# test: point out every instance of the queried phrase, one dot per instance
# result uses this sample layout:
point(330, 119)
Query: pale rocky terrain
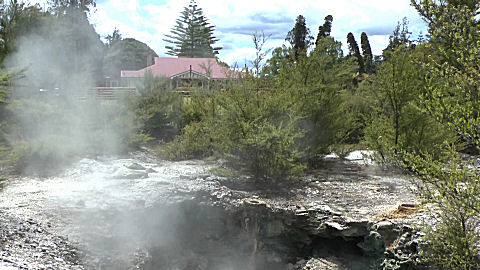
point(137, 212)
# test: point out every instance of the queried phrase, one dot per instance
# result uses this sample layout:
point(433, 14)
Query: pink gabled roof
point(171, 66)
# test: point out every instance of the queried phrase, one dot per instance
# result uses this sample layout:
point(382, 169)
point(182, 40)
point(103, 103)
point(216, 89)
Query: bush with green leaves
point(260, 131)
point(255, 130)
point(158, 108)
point(316, 84)
point(395, 121)
point(196, 141)
point(452, 237)
point(451, 97)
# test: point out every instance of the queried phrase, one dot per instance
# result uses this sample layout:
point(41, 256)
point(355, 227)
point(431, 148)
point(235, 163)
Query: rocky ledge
point(344, 216)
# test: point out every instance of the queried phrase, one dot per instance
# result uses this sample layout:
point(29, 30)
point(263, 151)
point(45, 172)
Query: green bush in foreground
point(254, 130)
point(196, 141)
point(268, 150)
point(453, 241)
point(451, 97)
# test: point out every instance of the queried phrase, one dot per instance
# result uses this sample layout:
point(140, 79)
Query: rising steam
point(59, 62)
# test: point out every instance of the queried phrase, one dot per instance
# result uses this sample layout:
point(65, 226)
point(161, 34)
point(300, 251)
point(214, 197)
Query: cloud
point(380, 30)
point(378, 43)
point(271, 18)
point(277, 31)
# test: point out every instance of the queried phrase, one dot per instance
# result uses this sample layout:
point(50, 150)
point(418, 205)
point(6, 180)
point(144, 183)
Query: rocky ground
point(27, 244)
point(128, 213)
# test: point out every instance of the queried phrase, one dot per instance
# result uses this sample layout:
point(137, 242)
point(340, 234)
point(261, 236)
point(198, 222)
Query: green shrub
point(452, 241)
point(196, 141)
point(268, 150)
point(254, 130)
point(395, 122)
point(159, 111)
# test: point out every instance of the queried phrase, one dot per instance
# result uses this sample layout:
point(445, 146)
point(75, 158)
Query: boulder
point(136, 166)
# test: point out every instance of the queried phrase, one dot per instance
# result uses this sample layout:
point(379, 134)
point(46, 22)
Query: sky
point(236, 20)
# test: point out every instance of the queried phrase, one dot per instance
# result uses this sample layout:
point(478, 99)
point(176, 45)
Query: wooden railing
point(111, 93)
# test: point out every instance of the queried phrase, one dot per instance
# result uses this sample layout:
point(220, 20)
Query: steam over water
point(114, 212)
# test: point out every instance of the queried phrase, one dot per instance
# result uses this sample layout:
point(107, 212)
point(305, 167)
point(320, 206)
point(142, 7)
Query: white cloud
point(378, 43)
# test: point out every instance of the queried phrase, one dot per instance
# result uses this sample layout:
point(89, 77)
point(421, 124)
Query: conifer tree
point(325, 29)
point(400, 36)
point(192, 36)
point(355, 51)
point(367, 53)
point(299, 37)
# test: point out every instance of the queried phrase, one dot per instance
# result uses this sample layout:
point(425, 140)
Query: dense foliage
point(396, 123)
point(158, 108)
point(255, 130)
point(451, 97)
point(126, 54)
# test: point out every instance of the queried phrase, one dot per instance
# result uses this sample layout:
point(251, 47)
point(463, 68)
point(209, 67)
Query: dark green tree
point(16, 19)
point(192, 36)
point(299, 37)
point(325, 29)
point(127, 54)
point(367, 54)
point(113, 38)
point(355, 51)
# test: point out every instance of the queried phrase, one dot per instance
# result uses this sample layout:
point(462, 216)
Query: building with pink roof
point(182, 72)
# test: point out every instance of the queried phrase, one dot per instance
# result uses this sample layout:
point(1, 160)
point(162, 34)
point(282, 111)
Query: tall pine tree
point(367, 53)
point(299, 37)
point(325, 29)
point(192, 36)
point(355, 51)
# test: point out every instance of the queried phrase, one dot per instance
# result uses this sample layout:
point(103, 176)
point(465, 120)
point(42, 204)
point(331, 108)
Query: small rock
point(133, 175)
point(136, 166)
point(150, 170)
point(336, 226)
point(383, 225)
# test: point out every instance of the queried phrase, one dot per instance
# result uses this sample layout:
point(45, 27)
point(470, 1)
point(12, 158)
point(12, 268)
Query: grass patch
point(225, 172)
